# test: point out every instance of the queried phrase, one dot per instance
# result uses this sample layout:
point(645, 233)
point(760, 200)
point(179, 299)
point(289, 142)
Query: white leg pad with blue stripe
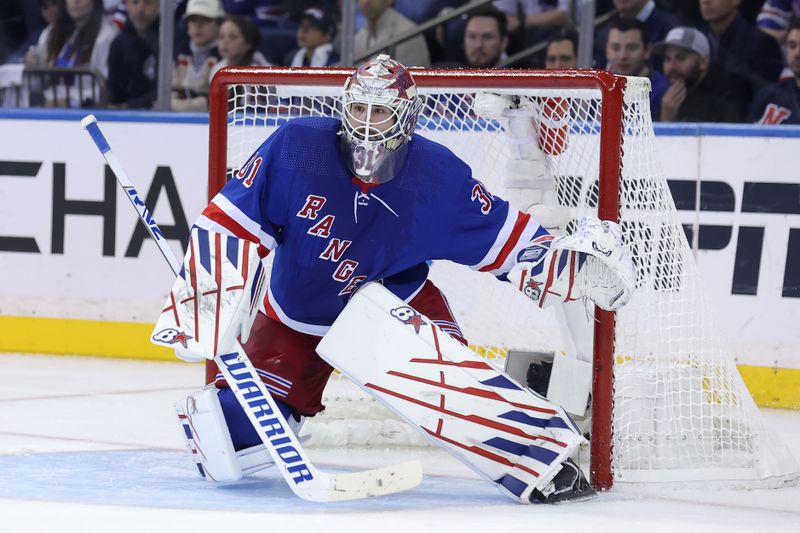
point(209, 441)
point(500, 429)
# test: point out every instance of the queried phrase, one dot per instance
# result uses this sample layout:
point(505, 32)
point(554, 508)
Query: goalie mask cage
point(668, 402)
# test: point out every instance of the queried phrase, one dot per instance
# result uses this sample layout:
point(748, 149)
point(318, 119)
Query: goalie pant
point(289, 366)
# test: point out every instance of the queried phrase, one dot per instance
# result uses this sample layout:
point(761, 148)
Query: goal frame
point(611, 88)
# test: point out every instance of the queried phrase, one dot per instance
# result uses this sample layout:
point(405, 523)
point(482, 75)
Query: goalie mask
point(379, 114)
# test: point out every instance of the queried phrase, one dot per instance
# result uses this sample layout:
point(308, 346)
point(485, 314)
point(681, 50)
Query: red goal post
point(612, 129)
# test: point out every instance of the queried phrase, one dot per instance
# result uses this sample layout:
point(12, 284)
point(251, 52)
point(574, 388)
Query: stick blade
point(378, 482)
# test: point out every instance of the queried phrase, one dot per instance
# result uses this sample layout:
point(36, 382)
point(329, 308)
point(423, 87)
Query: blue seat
point(423, 10)
point(277, 42)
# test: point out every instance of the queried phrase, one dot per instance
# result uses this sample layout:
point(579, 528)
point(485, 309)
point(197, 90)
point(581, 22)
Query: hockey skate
point(569, 485)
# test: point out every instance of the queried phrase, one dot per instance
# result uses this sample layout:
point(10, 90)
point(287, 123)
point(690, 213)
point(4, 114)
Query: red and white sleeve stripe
point(516, 233)
point(223, 216)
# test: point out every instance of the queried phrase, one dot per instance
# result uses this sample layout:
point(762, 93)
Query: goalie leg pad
point(460, 402)
point(207, 435)
point(220, 438)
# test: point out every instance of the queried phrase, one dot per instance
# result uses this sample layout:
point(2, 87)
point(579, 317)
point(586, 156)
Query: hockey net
point(669, 404)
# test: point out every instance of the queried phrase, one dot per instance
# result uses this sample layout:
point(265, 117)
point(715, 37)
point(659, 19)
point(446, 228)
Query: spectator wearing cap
point(562, 50)
point(385, 23)
point(697, 92)
point(779, 103)
point(628, 53)
point(741, 50)
point(315, 36)
point(657, 22)
point(133, 58)
point(196, 57)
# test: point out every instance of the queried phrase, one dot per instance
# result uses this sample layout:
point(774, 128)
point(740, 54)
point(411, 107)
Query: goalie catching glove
point(215, 299)
point(592, 263)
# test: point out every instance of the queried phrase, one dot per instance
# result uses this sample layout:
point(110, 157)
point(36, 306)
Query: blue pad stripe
point(512, 484)
point(257, 282)
point(204, 249)
point(502, 382)
point(523, 418)
point(542, 455)
point(506, 445)
point(232, 251)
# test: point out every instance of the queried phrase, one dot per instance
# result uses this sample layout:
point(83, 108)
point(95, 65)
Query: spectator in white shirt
point(384, 23)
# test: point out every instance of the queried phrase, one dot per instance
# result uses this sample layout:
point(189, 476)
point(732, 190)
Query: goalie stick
point(305, 480)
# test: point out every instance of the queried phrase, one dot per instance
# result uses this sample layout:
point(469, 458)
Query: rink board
point(80, 278)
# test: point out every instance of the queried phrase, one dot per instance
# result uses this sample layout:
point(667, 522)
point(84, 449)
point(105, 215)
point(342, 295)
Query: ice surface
point(91, 445)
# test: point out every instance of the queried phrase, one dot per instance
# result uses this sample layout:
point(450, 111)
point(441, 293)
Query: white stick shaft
point(89, 123)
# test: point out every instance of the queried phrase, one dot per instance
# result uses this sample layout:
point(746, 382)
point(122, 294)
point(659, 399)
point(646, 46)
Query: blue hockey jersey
point(776, 103)
point(330, 233)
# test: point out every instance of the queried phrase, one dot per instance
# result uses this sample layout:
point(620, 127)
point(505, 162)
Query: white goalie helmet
point(379, 114)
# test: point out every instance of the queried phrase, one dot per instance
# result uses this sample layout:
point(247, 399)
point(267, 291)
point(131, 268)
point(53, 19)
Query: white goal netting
point(681, 411)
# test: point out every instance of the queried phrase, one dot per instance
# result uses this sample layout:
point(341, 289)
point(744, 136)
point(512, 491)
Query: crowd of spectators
point(707, 60)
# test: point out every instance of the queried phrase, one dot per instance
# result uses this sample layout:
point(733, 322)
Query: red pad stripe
point(471, 391)
point(550, 278)
point(483, 453)
point(461, 364)
point(245, 263)
point(572, 257)
point(478, 420)
point(474, 449)
point(511, 243)
point(174, 308)
point(193, 283)
point(218, 283)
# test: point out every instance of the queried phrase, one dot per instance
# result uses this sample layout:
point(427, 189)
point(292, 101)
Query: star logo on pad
point(407, 315)
point(172, 336)
point(532, 290)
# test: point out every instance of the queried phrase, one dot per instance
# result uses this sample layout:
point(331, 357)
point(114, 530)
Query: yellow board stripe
point(773, 387)
point(80, 337)
point(770, 387)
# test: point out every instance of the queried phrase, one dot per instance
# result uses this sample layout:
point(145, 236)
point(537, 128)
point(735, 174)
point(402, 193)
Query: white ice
point(91, 445)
